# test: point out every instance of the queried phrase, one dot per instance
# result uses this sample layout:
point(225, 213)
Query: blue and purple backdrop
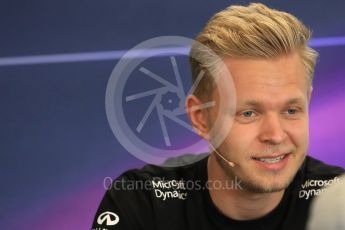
point(56, 57)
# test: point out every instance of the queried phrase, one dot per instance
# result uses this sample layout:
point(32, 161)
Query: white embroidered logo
point(316, 187)
point(109, 218)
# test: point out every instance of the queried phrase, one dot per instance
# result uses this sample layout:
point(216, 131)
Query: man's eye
point(291, 111)
point(248, 113)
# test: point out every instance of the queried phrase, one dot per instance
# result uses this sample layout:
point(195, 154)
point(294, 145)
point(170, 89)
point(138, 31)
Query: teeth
point(271, 160)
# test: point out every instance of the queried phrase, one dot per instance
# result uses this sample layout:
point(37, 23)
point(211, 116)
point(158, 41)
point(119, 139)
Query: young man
point(258, 175)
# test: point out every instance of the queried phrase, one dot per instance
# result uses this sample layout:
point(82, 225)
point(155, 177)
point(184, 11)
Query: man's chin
point(264, 188)
point(266, 185)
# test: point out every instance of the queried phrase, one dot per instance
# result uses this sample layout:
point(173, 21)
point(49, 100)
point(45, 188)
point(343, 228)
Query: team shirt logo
point(109, 218)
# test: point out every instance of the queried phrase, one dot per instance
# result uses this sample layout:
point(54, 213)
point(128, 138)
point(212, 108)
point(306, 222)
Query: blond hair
point(253, 31)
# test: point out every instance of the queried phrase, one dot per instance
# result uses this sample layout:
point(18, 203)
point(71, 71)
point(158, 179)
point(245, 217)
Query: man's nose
point(271, 130)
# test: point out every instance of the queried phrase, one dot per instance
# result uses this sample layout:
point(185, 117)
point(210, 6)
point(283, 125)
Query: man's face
point(268, 139)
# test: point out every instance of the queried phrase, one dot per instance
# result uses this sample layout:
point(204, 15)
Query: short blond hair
point(253, 31)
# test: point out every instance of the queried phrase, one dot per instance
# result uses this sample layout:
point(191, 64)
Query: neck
point(239, 204)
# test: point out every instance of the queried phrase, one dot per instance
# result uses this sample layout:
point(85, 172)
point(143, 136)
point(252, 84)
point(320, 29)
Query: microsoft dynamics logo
point(109, 218)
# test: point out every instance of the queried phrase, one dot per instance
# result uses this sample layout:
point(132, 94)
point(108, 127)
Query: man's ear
point(197, 115)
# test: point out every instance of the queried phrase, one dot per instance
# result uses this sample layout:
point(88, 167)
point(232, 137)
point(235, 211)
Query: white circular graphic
point(168, 101)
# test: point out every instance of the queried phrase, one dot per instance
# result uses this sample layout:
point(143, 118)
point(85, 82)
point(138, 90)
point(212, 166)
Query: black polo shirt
point(176, 198)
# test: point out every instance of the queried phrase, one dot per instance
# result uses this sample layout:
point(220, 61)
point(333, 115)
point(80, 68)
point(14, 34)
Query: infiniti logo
point(109, 218)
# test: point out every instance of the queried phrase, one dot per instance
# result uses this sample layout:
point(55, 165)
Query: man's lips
point(275, 161)
point(270, 156)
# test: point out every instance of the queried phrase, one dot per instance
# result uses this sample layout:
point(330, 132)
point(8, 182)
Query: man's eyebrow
point(251, 102)
point(256, 103)
point(295, 100)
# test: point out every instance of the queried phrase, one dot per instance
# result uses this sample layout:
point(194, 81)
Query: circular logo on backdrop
point(145, 100)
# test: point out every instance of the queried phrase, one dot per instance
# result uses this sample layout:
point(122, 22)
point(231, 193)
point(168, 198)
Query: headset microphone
point(230, 163)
